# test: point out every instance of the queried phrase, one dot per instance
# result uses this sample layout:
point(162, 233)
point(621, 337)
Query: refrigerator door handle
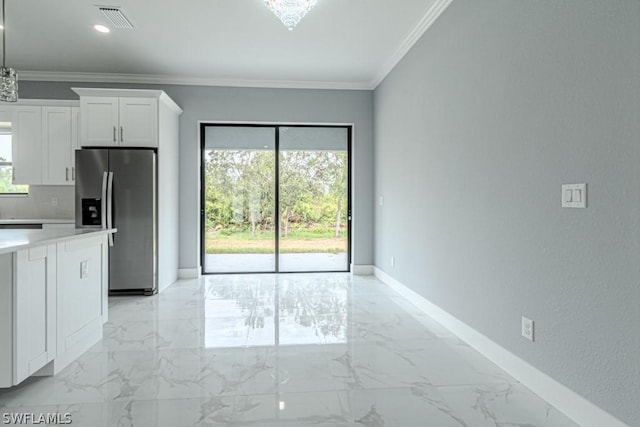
point(110, 206)
point(103, 203)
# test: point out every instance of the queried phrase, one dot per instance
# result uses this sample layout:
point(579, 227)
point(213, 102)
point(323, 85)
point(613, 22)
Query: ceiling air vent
point(116, 17)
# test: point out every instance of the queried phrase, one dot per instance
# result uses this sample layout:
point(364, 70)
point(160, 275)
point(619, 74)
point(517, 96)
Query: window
point(6, 165)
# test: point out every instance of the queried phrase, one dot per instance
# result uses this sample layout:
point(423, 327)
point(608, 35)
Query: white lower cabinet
point(35, 310)
point(52, 306)
point(80, 294)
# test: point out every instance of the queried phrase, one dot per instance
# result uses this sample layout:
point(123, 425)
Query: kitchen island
point(53, 298)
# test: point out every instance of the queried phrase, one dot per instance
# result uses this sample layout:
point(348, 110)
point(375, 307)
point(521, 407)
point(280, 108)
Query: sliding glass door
point(238, 200)
point(250, 172)
point(313, 177)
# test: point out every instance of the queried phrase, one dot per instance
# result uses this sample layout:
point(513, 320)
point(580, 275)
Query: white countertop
point(36, 221)
point(16, 239)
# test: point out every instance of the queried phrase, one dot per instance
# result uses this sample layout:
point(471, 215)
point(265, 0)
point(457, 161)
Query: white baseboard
point(188, 273)
point(561, 397)
point(362, 269)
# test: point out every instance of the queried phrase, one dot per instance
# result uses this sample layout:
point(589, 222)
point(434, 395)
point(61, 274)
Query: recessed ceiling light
point(1, 27)
point(101, 28)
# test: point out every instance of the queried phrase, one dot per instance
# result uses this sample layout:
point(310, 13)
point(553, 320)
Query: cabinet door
point(99, 121)
point(27, 145)
point(57, 145)
point(80, 293)
point(75, 140)
point(35, 305)
point(139, 122)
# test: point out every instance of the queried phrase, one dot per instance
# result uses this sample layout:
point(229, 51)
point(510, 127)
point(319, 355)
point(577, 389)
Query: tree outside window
point(6, 165)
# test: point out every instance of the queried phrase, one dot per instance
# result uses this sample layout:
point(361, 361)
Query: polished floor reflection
point(272, 350)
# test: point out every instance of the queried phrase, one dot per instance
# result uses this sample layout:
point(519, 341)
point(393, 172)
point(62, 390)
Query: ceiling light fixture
point(8, 76)
point(101, 28)
point(290, 12)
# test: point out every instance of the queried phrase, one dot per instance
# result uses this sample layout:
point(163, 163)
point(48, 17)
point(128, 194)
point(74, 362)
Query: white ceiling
point(339, 44)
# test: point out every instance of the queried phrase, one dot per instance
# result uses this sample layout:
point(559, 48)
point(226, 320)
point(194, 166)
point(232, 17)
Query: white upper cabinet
point(75, 139)
point(99, 123)
point(43, 141)
point(138, 122)
point(57, 144)
point(108, 121)
point(27, 145)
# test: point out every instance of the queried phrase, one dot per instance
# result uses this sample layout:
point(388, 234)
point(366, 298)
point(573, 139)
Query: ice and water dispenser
point(91, 212)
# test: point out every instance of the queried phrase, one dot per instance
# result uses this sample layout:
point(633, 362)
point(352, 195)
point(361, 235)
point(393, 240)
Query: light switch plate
point(574, 195)
point(84, 269)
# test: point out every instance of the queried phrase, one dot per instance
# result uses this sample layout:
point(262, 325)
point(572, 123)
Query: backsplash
point(38, 203)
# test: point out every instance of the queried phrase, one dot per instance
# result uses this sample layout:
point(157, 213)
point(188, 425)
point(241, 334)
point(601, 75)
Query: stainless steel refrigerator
point(116, 188)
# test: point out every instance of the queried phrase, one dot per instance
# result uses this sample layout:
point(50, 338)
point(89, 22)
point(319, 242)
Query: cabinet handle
point(73, 173)
point(66, 173)
point(121, 134)
point(114, 134)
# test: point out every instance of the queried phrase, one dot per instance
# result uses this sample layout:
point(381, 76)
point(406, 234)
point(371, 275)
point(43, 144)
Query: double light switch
point(574, 195)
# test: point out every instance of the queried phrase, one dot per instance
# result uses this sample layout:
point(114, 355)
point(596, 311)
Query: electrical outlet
point(54, 201)
point(381, 201)
point(393, 261)
point(84, 269)
point(527, 328)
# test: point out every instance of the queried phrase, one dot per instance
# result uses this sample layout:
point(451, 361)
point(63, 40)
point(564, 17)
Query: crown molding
point(56, 76)
point(425, 23)
point(130, 93)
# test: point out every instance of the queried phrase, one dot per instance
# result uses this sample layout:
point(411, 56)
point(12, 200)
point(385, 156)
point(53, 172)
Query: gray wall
point(254, 105)
point(476, 129)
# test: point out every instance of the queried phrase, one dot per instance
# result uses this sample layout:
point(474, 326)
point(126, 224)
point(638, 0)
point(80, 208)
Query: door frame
point(202, 125)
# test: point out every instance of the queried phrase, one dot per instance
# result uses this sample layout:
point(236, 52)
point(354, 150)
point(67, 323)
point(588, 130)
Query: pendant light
point(8, 76)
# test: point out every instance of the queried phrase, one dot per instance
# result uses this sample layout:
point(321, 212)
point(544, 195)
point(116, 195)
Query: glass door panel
point(239, 227)
point(313, 199)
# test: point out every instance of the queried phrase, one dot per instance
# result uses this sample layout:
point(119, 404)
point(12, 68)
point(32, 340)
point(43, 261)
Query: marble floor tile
point(138, 335)
point(279, 350)
point(291, 409)
point(501, 405)
point(361, 365)
point(400, 407)
point(290, 369)
point(213, 411)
